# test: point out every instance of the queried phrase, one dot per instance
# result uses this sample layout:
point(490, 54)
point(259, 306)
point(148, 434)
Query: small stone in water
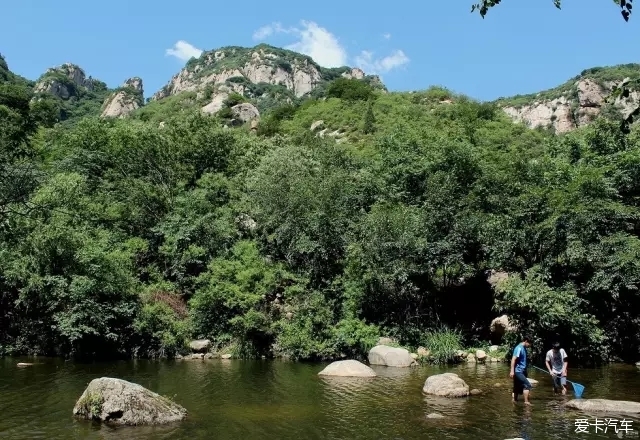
point(435, 416)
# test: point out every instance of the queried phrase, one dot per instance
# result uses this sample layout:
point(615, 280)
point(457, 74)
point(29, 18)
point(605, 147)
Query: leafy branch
point(483, 7)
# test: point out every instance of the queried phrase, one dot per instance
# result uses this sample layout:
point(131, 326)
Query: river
point(234, 399)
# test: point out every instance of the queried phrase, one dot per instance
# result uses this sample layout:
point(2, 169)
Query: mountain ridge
point(267, 77)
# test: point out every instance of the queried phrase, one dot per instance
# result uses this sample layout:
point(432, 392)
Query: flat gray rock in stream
point(390, 356)
point(605, 405)
point(348, 368)
point(120, 402)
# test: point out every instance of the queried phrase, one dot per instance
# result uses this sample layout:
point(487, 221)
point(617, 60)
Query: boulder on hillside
point(390, 356)
point(200, 345)
point(496, 277)
point(499, 326)
point(348, 368)
point(120, 402)
point(245, 112)
point(605, 405)
point(316, 124)
point(446, 385)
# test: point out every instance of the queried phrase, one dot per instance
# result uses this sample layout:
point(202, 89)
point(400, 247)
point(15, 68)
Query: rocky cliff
point(263, 77)
point(68, 88)
point(577, 102)
point(263, 74)
point(127, 98)
point(65, 81)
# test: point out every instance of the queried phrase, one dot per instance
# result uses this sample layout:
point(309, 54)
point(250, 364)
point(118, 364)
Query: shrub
point(350, 89)
point(443, 343)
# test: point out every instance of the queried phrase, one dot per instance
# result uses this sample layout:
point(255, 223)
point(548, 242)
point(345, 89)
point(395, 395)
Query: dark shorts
point(559, 381)
point(520, 383)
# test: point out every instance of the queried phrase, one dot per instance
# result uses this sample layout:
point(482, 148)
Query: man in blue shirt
point(521, 384)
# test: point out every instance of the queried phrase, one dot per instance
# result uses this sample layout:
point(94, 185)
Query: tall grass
point(443, 343)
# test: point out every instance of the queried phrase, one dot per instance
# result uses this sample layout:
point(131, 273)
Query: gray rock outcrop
point(577, 107)
point(499, 326)
point(348, 368)
point(245, 112)
point(446, 385)
point(124, 101)
point(200, 345)
point(605, 406)
point(119, 402)
point(390, 356)
point(60, 81)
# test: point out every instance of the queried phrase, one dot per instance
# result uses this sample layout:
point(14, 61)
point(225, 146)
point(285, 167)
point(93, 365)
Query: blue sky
point(522, 46)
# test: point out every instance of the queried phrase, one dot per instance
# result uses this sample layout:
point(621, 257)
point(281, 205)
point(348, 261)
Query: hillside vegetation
point(126, 237)
point(603, 76)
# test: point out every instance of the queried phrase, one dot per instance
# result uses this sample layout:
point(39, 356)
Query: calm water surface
point(279, 400)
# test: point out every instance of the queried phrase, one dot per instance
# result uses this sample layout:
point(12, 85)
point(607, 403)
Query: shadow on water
point(279, 400)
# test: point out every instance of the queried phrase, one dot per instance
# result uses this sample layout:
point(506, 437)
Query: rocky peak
point(124, 100)
point(262, 64)
point(63, 81)
point(263, 74)
point(135, 83)
point(354, 73)
point(575, 103)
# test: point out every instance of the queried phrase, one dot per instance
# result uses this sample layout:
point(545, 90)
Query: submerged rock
point(605, 405)
point(348, 368)
point(390, 356)
point(446, 385)
point(435, 416)
point(120, 402)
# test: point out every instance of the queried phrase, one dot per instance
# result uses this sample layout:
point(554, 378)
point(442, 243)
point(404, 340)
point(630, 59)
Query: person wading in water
point(518, 373)
point(557, 364)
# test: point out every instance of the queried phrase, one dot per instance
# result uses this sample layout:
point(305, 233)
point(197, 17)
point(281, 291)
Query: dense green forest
point(126, 237)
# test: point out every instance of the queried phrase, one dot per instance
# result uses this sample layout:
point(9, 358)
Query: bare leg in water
point(525, 393)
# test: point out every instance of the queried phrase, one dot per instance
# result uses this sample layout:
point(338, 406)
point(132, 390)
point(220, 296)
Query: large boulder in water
point(446, 385)
point(390, 356)
point(124, 403)
point(350, 368)
point(604, 405)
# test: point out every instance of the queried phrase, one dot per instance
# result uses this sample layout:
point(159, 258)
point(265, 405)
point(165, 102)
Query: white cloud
point(369, 64)
point(326, 49)
point(320, 44)
point(183, 51)
point(268, 30)
point(386, 36)
point(313, 40)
